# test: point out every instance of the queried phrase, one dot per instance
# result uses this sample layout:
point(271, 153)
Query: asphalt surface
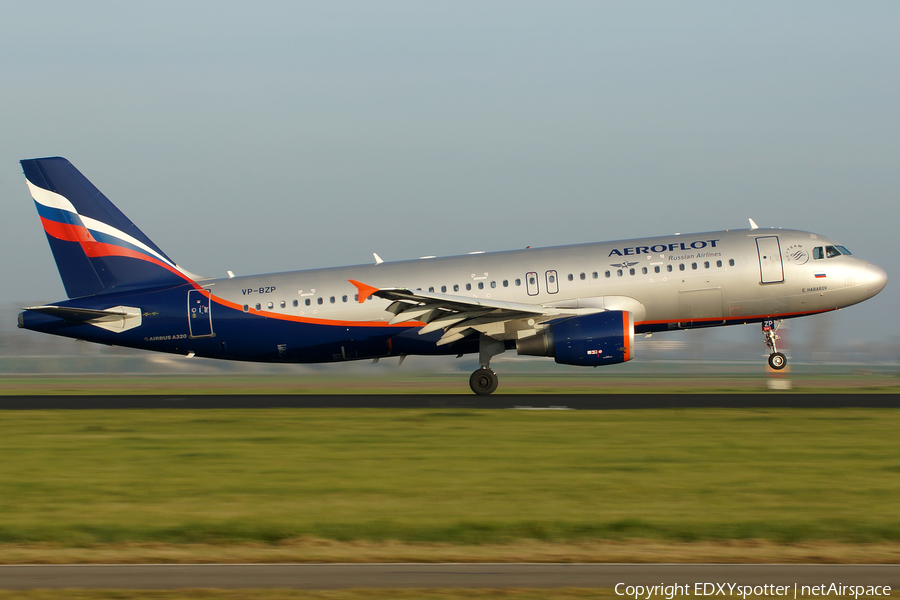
point(469, 401)
point(455, 575)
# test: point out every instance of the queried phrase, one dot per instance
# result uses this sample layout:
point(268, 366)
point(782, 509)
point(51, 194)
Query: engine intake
point(604, 338)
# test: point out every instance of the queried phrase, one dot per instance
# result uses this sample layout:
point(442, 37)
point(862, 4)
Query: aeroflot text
point(659, 248)
point(646, 592)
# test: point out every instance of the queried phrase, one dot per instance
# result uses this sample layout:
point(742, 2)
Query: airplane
point(579, 304)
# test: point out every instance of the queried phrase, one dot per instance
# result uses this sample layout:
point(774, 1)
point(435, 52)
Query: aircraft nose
point(877, 279)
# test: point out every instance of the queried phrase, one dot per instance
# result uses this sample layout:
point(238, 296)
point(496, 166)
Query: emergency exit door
point(771, 269)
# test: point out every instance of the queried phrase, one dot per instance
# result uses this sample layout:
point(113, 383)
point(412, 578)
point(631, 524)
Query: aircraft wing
point(461, 316)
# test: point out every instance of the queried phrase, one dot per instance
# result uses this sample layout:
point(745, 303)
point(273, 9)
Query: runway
point(453, 575)
point(461, 401)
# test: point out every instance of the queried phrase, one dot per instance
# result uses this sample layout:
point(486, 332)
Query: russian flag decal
point(820, 275)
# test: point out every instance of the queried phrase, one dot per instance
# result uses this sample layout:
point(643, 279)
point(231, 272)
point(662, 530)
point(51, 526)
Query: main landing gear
point(777, 360)
point(484, 380)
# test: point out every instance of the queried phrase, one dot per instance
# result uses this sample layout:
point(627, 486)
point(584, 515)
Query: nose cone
point(877, 279)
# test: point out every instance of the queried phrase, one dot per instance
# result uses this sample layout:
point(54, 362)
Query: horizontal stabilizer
point(116, 319)
point(77, 314)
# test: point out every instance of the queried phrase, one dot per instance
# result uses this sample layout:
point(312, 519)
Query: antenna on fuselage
point(753, 224)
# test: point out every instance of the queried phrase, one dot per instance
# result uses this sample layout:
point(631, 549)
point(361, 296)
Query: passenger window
point(455, 287)
point(246, 308)
point(681, 267)
point(595, 275)
point(730, 262)
point(493, 284)
point(506, 283)
point(258, 306)
point(468, 286)
point(669, 268)
point(571, 277)
point(607, 273)
point(718, 263)
point(583, 276)
point(443, 288)
point(644, 270)
point(706, 265)
point(320, 300)
point(308, 302)
point(631, 271)
point(619, 272)
point(480, 285)
point(296, 303)
point(531, 280)
point(656, 269)
point(270, 306)
point(518, 282)
point(283, 304)
point(431, 289)
point(343, 298)
point(694, 266)
point(331, 300)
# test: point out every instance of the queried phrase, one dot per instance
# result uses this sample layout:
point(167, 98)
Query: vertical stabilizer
point(97, 248)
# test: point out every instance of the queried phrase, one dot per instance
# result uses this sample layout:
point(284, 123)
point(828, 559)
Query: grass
point(82, 478)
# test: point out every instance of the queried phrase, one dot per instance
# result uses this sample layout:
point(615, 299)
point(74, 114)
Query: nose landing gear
point(777, 360)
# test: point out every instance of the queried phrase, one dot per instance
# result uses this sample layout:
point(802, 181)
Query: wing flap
point(462, 316)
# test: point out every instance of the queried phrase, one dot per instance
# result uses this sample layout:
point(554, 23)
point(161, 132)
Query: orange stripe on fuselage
point(311, 321)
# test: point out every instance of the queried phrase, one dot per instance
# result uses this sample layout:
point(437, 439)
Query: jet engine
point(603, 338)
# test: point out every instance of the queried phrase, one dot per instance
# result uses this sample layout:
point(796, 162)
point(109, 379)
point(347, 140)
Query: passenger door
point(771, 269)
point(199, 314)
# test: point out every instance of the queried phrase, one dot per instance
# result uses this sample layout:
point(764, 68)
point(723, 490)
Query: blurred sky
point(271, 136)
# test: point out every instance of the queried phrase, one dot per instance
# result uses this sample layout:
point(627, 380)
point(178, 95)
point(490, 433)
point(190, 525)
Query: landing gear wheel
point(777, 361)
point(483, 381)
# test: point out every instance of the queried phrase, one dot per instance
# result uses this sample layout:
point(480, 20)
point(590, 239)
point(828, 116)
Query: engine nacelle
point(604, 338)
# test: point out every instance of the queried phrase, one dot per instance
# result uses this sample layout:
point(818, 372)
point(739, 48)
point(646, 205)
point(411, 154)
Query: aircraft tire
point(777, 361)
point(483, 381)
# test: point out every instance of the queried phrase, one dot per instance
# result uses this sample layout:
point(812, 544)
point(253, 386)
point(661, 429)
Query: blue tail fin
point(97, 248)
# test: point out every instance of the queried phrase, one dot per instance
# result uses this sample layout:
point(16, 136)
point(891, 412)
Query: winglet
point(364, 290)
point(753, 224)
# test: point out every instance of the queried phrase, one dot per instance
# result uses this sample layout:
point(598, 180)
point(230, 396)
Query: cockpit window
point(829, 252)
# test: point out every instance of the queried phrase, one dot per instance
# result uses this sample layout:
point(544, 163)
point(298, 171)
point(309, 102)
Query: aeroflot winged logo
point(635, 250)
point(624, 264)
